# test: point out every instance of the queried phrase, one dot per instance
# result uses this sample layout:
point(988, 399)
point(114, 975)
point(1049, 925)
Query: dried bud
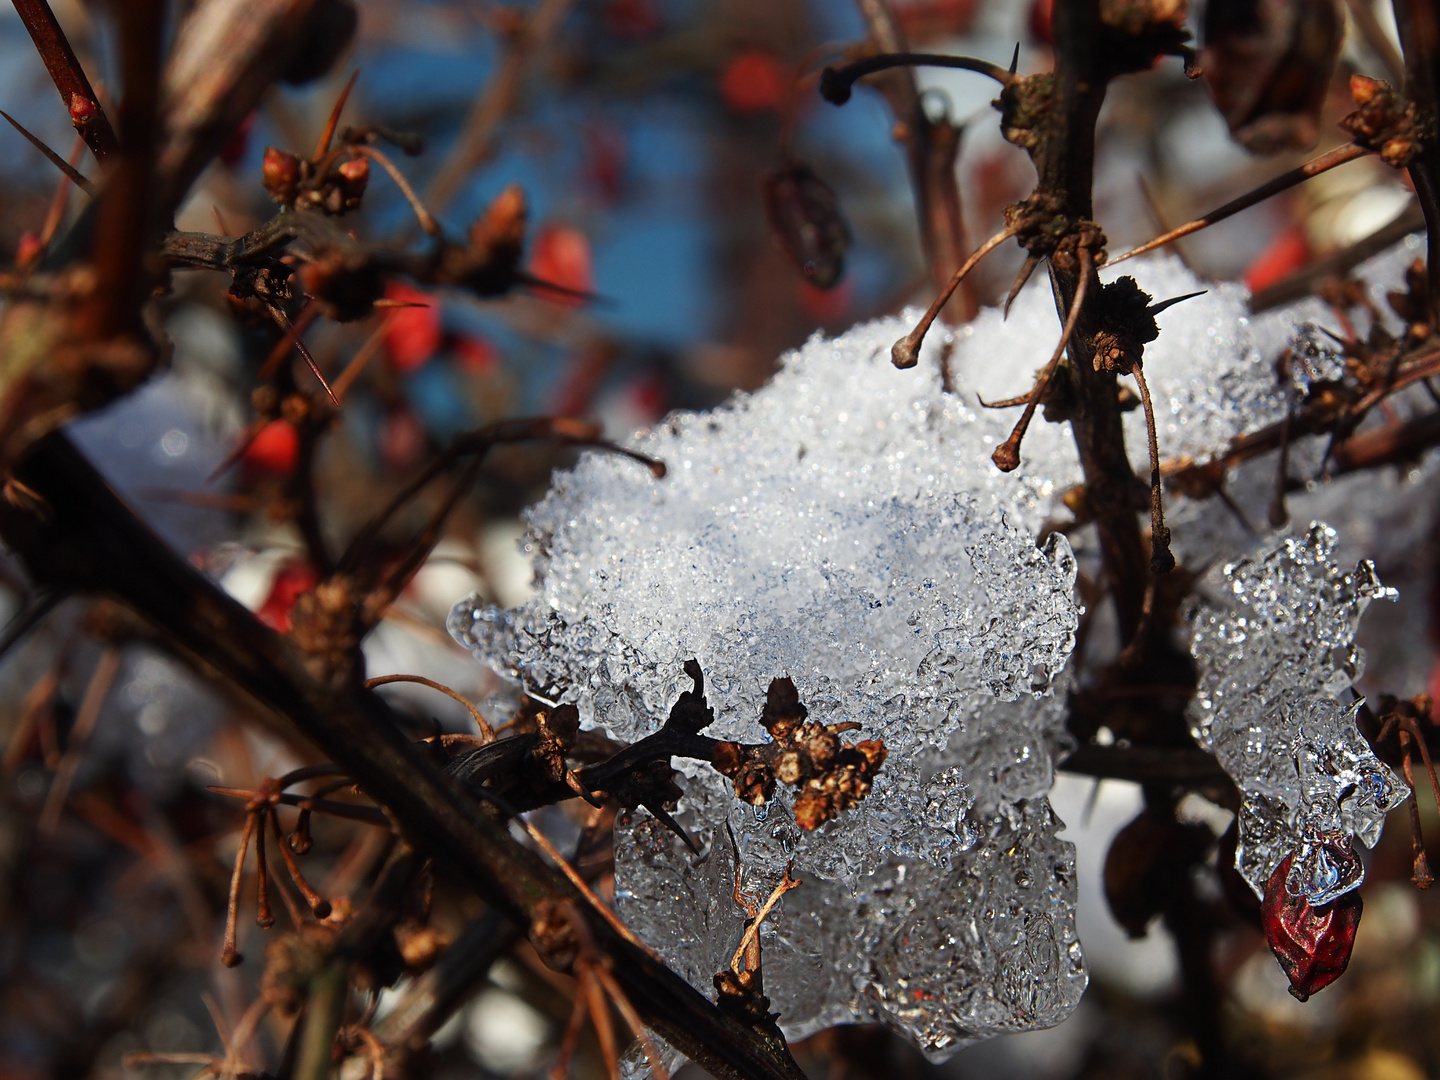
point(805, 219)
point(552, 932)
point(1313, 944)
point(354, 175)
point(280, 173)
point(1147, 865)
point(812, 810)
point(502, 227)
point(787, 768)
point(1384, 122)
point(420, 946)
point(783, 712)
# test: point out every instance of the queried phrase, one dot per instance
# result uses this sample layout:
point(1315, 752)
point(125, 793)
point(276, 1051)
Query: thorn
point(382, 304)
point(1021, 280)
point(323, 146)
point(663, 816)
point(74, 174)
point(541, 286)
point(1338, 156)
point(283, 321)
point(1160, 305)
point(1015, 59)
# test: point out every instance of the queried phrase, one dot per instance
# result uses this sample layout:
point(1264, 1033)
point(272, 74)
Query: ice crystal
point(845, 527)
point(1275, 645)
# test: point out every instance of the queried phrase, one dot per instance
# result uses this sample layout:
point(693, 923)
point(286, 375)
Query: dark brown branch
point(1419, 24)
point(931, 149)
point(76, 93)
point(87, 541)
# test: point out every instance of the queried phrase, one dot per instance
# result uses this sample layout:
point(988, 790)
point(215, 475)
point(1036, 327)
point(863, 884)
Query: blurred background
point(642, 133)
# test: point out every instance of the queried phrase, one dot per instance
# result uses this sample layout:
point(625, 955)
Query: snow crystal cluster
point(833, 527)
point(844, 526)
point(1276, 652)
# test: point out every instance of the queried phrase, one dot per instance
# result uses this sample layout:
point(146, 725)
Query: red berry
point(1283, 256)
point(239, 141)
point(1313, 944)
point(561, 256)
point(413, 334)
point(475, 355)
point(290, 581)
point(276, 450)
point(753, 81)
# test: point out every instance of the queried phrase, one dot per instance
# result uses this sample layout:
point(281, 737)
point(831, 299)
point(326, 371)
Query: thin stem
point(836, 84)
point(583, 887)
point(752, 932)
point(362, 358)
point(318, 904)
point(95, 694)
point(229, 956)
point(593, 991)
point(632, 1018)
point(905, 353)
point(486, 731)
point(1161, 561)
point(1339, 156)
point(1007, 454)
point(264, 917)
point(422, 215)
point(69, 78)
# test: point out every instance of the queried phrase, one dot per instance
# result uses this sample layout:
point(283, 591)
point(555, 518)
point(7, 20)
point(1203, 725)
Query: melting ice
point(845, 527)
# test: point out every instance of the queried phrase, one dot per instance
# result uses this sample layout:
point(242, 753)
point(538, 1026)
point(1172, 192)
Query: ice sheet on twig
point(1274, 639)
point(843, 526)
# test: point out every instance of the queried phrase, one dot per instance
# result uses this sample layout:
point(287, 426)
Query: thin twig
point(905, 353)
point(1339, 156)
point(69, 78)
point(96, 692)
point(1007, 454)
point(422, 215)
point(752, 932)
point(484, 725)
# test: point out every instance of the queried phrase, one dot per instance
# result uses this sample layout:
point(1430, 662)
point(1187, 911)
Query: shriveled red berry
point(1313, 944)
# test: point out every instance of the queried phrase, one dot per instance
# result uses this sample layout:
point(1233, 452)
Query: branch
point(86, 540)
point(69, 78)
point(931, 149)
